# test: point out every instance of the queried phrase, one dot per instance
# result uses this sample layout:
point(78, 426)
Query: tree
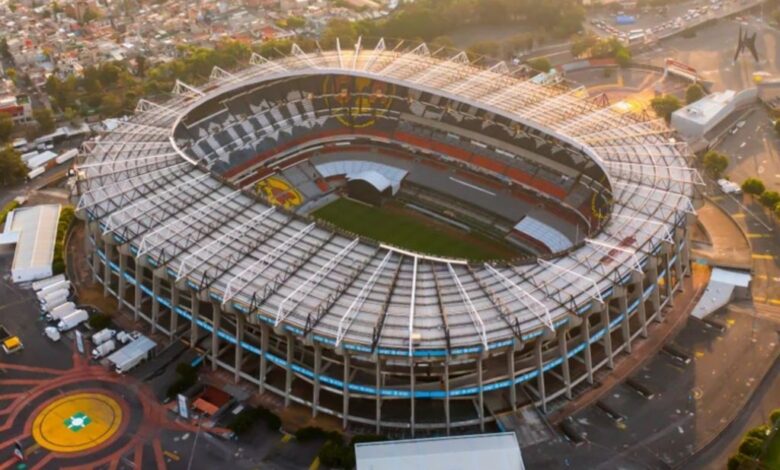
point(582, 44)
point(12, 168)
point(715, 163)
point(542, 64)
point(140, 66)
point(770, 199)
point(4, 51)
point(665, 105)
point(441, 42)
point(751, 447)
point(296, 22)
point(485, 48)
point(6, 127)
point(44, 119)
point(694, 93)
point(71, 115)
point(623, 57)
point(753, 186)
point(774, 417)
point(340, 29)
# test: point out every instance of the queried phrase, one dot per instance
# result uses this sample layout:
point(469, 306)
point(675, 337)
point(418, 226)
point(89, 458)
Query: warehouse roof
point(35, 230)
point(498, 451)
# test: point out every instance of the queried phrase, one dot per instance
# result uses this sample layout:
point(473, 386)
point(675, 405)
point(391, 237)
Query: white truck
point(73, 320)
point(52, 333)
point(125, 338)
point(133, 354)
point(61, 311)
point(51, 288)
point(102, 336)
point(54, 299)
point(103, 348)
point(38, 285)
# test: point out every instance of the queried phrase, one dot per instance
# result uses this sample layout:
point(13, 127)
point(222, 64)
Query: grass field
point(406, 229)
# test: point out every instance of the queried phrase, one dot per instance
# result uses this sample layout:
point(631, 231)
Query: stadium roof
point(498, 451)
point(146, 191)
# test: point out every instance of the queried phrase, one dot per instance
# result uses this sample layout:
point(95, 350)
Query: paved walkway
point(729, 246)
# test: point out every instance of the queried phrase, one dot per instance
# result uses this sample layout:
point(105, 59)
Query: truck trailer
point(133, 354)
point(103, 348)
point(73, 320)
point(61, 311)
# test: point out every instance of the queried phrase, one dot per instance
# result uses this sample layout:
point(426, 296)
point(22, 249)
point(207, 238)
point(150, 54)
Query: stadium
point(261, 216)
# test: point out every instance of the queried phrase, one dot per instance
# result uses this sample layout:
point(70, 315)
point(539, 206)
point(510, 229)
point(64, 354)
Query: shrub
point(178, 386)
point(737, 461)
point(541, 64)
point(7, 210)
point(309, 433)
point(715, 163)
point(774, 417)
point(271, 420)
point(751, 447)
point(334, 454)
point(99, 321)
point(760, 432)
point(753, 186)
point(66, 218)
point(244, 421)
point(185, 369)
point(665, 105)
point(694, 93)
point(770, 198)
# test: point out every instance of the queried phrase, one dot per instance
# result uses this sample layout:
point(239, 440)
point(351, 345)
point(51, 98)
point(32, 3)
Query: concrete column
point(156, 281)
point(216, 324)
point(540, 377)
point(288, 377)
point(239, 358)
point(139, 278)
point(510, 371)
point(607, 339)
point(315, 399)
point(90, 248)
point(686, 251)
point(412, 384)
point(563, 350)
point(345, 393)
point(669, 267)
point(640, 308)
point(655, 294)
point(624, 326)
point(122, 289)
point(195, 314)
point(107, 267)
point(175, 294)
point(678, 269)
point(447, 392)
point(481, 401)
point(378, 394)
point(588, 351)
point(264, 337)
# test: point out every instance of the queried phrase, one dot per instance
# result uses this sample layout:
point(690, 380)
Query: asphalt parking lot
point(691, 402)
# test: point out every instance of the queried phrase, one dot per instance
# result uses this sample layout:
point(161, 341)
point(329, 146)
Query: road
point(49, 177)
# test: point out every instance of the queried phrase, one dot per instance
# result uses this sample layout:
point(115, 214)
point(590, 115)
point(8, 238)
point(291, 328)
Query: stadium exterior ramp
point(378, 336)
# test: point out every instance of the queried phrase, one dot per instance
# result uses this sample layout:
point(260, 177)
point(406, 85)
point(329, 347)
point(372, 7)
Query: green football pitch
point(409, 230)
